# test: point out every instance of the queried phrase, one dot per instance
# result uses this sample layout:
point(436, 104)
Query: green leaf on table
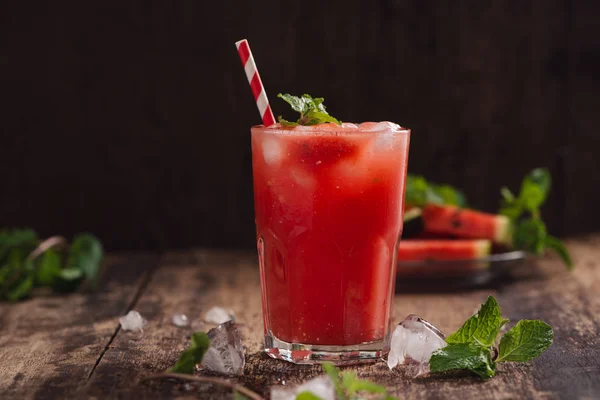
point(525, 341)
point(560, 249)
point(22, 289)
point(48, 268)
point(306, 395)
point(333, 374)
point(469, 356)
point(86, 254)
point(362, 385)
point(68, 280)
point(347, 385)
point(16, 275)
point(12, 238)
point(193, 355)
point(483, 327)
point(312, 110)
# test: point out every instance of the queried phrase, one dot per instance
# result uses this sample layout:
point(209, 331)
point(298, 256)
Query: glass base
point(299, 353)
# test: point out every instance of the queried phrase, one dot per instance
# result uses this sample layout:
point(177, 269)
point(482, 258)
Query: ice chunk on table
point(226, 351)
point(180, 320)
point(413, 341)
point(218, 315)
point(133, 321)
point(320, 386)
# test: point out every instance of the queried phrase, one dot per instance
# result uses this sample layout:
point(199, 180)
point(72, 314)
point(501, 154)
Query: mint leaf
point(468, 356)
point(482, 328)
point(525, 341)
point(286, 122)
point(348, 385)
point(16, 275)
point(192, 356)
point(450, 195)
point(361, 385)
point(48, 269)
point(86, 254)
point(22, 289)
point(10, 239)
point(559, 247)
point(531, 235)
point(419, 193)
point(334, 375)
point(534, 192)
point(529, 231)
point(307, 396)
point(312, 110)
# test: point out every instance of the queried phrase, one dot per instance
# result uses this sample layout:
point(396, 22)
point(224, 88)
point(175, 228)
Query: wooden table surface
point(72, 346)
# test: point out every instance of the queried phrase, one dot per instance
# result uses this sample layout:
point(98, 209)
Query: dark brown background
point(131, 119)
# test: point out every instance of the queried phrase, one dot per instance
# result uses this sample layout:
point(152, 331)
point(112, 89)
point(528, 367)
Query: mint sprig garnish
point(26, 262)
point(472, 346)
point(529, 230)
point(312, 110)
point(420, 192)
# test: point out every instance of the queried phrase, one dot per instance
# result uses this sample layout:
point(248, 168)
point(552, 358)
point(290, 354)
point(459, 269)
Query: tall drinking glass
point(329, 206)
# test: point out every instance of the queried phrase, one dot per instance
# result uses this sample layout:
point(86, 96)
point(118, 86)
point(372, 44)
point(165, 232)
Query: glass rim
point(335, 132)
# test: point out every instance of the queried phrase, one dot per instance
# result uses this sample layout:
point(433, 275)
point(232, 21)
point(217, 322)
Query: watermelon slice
point(422, 250)
point(464, 223)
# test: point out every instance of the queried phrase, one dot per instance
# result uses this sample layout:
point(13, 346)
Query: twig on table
point(208, 379)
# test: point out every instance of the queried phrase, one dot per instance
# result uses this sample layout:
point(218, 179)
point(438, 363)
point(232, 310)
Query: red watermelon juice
point(329, 205)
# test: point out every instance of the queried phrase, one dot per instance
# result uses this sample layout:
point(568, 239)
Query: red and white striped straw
point(260, 96)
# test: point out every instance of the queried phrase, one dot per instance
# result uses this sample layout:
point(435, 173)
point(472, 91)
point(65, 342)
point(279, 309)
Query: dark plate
point(458, 274)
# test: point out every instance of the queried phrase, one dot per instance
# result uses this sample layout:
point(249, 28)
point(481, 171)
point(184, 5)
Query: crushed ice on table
point(218, 315)
point(133, 321)
point(413, 342)
point(226, 351)
point(320, 386)
point(180, 320)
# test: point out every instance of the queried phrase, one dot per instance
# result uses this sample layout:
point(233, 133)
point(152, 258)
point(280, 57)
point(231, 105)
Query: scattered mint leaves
point(312, 110)
point(525, 341)
point(420, 192)
point(348, 386)
point(470, 356)
point(470, 347)
point(482, 328)
point(27, 263)
point(529, 231)
point(193, 355)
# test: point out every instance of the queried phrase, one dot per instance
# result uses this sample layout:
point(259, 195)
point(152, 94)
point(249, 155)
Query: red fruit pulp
point(328, 215)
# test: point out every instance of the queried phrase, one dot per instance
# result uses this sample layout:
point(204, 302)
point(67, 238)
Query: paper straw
point(260, 96)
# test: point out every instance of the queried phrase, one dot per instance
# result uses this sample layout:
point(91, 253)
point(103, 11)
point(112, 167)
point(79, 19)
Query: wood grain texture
point(192, 282)
point(50, 345)
point(136, 115)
